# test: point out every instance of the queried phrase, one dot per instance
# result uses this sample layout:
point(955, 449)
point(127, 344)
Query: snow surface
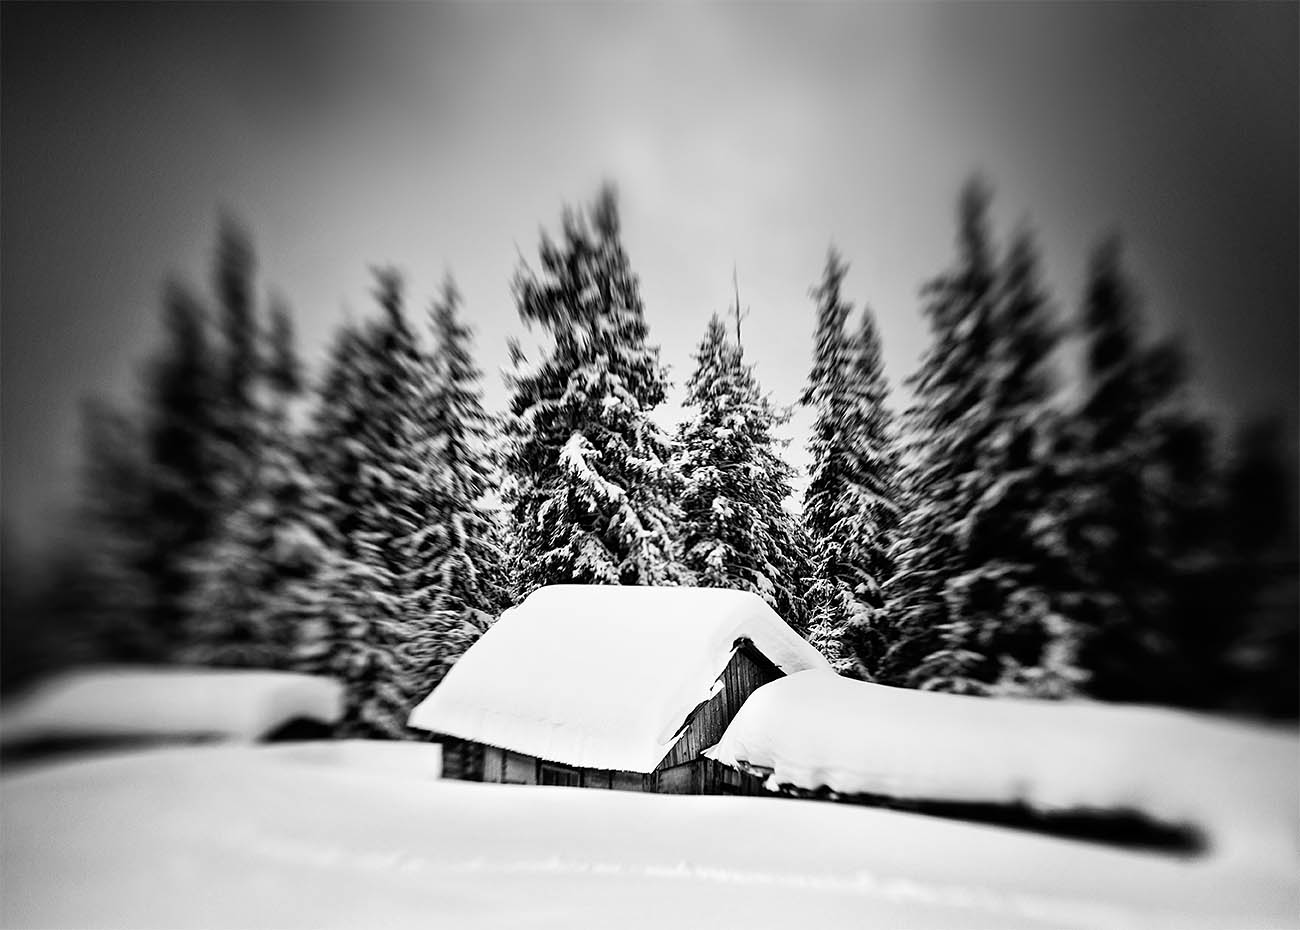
point(383, 757)
point(1238, 783)
point(237, 704)
point(603, 676)
point(254, 836)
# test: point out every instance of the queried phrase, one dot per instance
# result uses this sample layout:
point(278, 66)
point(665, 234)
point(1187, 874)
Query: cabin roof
point(603, 676)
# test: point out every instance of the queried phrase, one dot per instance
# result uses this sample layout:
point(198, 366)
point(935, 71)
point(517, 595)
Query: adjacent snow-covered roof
point(603, 676)
point(241, 704)
point(1236, 781)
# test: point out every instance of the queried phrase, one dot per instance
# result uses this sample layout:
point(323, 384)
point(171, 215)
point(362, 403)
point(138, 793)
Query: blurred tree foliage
point(1006, 536)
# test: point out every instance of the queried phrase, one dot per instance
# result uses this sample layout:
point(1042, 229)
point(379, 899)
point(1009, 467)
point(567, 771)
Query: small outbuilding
point(1126, 774)
point(611, 687)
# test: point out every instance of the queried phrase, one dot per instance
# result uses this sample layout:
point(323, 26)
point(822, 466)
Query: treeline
point(1000, 536)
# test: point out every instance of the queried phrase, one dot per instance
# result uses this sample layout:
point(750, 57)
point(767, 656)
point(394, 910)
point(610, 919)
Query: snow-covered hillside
point(244, 836)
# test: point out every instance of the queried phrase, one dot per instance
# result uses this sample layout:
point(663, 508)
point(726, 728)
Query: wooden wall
point(494, 764)
point(682, 771)
point(747, 670)
point(514, 768)
point(462, 759)
point(519, 769)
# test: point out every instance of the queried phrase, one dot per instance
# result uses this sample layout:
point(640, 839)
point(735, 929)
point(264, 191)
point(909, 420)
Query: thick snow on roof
point(240, 704)
point(1235, 781)
point(603, 676)
point(251, 836)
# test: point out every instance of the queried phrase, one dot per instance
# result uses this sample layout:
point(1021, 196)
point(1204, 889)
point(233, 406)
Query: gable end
point(747, 670)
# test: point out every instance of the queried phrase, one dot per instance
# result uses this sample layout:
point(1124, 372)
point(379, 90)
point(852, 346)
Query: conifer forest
point(976, 529)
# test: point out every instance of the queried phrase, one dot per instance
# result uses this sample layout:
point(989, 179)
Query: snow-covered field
point(359, 835)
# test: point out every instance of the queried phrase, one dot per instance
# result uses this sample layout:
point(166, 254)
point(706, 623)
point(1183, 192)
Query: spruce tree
point(284, 371)
point(244, 611)
point(347, 621)
point(363, 430)
point(113, 519)
point(735, 531)
point(1262, 566)
point(85, 598)
point(1198, 615)
point(850, 507)
point(831, 605)
point(869, 512)
point(825, 394)
point(1113, 520)
point(238, 368)
point(457, 573)
point(182, 494)
point(593, 489)
point(335, 442)
point(942, 482)
point(370, 448)
point(203, 430)
point(1147, 508)
point(269, 539)
point(1012, 626)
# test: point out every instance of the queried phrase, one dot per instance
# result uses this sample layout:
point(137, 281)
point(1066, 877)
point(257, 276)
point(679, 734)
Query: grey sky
point(441, 137)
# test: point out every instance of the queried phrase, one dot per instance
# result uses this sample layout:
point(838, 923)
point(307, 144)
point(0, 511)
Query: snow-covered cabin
point(611, 687)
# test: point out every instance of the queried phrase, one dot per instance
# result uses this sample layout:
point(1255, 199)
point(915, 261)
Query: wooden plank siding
point(682, 771)
point(747, 670)
point(462, 759)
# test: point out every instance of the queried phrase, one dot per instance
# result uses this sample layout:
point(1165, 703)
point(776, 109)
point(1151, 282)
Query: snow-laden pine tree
point(240, 368)
point(831, 606)
point(348, 624)
point(245, 602)
point(182, 499)
point(366, 455)
point(363, 432)
point(336, 443)
point(456, 568)
point(283, 373)
point(203, 429)
point(1147, 509)
point(825, 394)
point(850, 507)
point(1013, 609)
point(1262, 569)
point(111, 542)
point(735, 530)
point(269, 540)
point(941, 479)
point(594, 491)
point(870, 510)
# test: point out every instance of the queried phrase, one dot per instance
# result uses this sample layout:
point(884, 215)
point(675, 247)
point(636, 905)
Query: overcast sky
point(442, 137)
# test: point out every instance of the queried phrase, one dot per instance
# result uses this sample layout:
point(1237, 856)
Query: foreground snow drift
point(1240, 784)
point(237, 704)
point(244, 836)
point(376, 757)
